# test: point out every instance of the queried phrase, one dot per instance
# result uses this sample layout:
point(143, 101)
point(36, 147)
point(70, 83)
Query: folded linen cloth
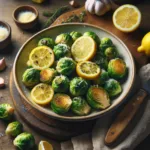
point(138, 132)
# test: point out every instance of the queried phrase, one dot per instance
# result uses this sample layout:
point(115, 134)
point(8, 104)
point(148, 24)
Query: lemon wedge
point(145, 44)
point(44, 145)
point(127, 18)
point(84, 48)
point(41, 57)
point(88, 70)
point(42, 94)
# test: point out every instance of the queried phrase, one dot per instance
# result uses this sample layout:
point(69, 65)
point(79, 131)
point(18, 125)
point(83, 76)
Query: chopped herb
point(76, 18)
point(47, 14)
point(82, 15)
point(55, 15)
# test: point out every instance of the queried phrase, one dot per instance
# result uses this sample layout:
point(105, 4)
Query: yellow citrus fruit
point(127, 18)
point(84, 48)
point(145, 45)
point(44, 145)
point(88, 70)
point(41, 57)
point(42, 94)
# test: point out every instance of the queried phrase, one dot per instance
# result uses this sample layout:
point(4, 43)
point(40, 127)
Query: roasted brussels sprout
point(31, 77)
point(105, 43)
point(111, 53)
point(78, 86)
point(102, 78)
point(47, 75)
point(93, 36)
point(101, 61)
point(61, 50)
point(14, 128)
point(75, 35)
point(47, 42)
point(113, 87)
point(65, 66)
point(98, 98)
point(60, 84)
point(117, 68)
point(61, 103)
point(64, 38)
point(24, 141)
point(6, 111)
point(80, 106)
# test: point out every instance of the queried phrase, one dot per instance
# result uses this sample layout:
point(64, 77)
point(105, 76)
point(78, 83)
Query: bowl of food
point(74, 75)
point(5, 34)
point(25, 17)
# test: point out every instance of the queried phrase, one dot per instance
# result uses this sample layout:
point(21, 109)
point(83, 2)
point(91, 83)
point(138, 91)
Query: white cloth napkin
point(138, 131)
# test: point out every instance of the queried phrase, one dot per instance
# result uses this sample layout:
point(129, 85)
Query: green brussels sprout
point(47, 75)
point(113, 87)
point(111, 53)
point(31, 77)
point(105, 43)
point(60, 84)
point(47, 42)
point(14, 128)
point(93, 35)
point(98, 98)
point(101, 61)
point(80, 106)
point(6, 111)
point(78, 86)
point(61, 103)
point(117, 68)
point(64, 38)
point(66, 66)
point(75, 35)
point(24, 141)
point(102, 78)
point(61, 50)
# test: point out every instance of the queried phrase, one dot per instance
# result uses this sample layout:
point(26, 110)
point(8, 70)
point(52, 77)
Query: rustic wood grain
point(20, 36)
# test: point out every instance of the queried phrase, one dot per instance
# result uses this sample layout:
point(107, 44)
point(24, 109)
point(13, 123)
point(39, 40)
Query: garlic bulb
point(99, 7)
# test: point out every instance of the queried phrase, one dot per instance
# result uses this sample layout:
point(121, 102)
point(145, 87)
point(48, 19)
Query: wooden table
point(18, 38)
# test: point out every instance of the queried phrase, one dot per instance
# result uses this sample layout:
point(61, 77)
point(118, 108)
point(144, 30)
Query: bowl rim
point(6, 25)
point(75, 118)
point(22, 6)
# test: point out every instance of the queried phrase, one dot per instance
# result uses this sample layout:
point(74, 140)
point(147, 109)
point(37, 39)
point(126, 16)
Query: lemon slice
point(42, 94)
point(44, 145)
point(84, 48)
point(88, 70)
point(41, 57)
point(127, 18)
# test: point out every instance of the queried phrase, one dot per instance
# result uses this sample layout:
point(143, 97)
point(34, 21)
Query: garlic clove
point(2, 82)
point(74, 4)
point(100, 8)
point(87, 4)
point(91, 7)
point(2, 64)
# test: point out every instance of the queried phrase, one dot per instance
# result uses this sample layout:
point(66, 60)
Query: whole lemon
point(145, 44)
